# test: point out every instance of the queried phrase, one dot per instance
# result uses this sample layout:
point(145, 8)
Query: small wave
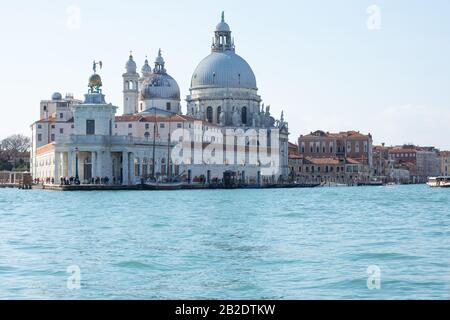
point(140, 265)
point(376, 256)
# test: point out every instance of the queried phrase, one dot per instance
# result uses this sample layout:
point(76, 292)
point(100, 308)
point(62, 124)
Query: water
point(220, 244)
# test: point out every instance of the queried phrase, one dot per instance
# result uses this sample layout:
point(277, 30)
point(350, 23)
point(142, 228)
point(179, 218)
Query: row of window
point(328, 169)
point(318, 147)
point(52, 136)
point(147, 126)
point(39, 126)
point(404, 155)
point(210, 115)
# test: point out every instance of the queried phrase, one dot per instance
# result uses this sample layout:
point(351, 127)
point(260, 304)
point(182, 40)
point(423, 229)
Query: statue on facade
point(236, 118)
point(222, 119)
point(256, 119)
point(283, 124)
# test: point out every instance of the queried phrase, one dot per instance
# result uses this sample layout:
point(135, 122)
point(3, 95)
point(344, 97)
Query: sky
point(379, 67)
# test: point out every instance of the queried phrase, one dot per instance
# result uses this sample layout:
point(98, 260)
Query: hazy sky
point(329, 65)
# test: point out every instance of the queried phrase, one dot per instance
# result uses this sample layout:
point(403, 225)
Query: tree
point(12, 151)
point(16, 144)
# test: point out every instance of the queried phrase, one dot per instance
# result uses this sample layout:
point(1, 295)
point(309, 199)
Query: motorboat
point(439, 182)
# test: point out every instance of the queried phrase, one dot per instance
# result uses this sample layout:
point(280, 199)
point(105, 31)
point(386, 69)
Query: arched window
point(244, 115)
point(209, 114)
point(219, 111)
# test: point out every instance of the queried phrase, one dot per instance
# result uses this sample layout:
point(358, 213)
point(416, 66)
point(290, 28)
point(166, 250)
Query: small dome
point(56, 96)
point(161, 86)
point(146, 69)
point(131, 65)
point(223, 27)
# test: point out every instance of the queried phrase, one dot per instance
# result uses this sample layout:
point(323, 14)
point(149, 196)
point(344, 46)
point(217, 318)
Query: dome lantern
point(222, 40)
point(146, 69)
point(159, 63)
point(223, 68)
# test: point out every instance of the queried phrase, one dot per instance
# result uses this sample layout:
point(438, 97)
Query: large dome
point(161, 86)
point(223, 69)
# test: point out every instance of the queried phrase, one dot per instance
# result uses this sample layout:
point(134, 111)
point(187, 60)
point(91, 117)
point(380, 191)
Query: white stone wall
point(102, 114)
point(160, 104)
point(44, 166)
point(227, 99)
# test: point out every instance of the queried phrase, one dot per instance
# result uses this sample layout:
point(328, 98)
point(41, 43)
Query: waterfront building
point(444, 163)
point(344, 157)
point(381, 162)
point(422, 162)
point(227, 129)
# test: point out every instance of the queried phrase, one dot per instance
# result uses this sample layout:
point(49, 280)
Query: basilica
point(225, 131)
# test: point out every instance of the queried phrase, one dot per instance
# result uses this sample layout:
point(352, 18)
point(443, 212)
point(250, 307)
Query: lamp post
point(77, 152)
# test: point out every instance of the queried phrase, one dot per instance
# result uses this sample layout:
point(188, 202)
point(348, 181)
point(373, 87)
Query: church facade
point(226, 128)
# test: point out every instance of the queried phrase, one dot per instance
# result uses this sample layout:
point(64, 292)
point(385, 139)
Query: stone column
point(125, 167)
point(70, 172)
point(94, 164)
point(106, 165)
point(99, 165)
point(56, 174)
point(63, 164)
point(132, 172)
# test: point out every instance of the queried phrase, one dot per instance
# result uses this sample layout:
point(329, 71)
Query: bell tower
point(130, 87)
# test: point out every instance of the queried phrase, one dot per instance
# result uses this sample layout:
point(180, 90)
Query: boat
point(163, 185)
point(439, 182)
point(391, 184)
point(372, 183)
point(333, 184)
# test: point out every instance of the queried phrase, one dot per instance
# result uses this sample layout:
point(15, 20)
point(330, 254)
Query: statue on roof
point(95, 64)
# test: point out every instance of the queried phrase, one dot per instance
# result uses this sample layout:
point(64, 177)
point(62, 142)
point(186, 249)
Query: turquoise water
point(226, 244)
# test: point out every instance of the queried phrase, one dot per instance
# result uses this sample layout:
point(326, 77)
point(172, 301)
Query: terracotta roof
point(409, 165)
point(323, 161)
point(54, 120)
point(295, 156)
point(401, 150)
point(352, 161)
point(45, 149)
point(444, 154)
